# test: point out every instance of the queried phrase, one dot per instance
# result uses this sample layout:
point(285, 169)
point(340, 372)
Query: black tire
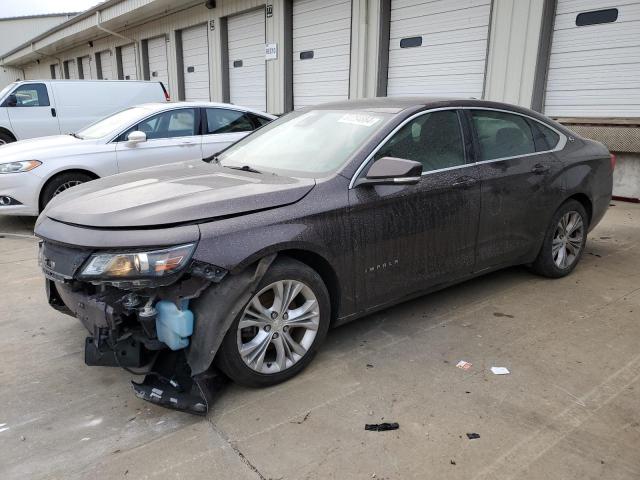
point(51, 188)
point(6, 138)
point(228, 358)
point(545, 264)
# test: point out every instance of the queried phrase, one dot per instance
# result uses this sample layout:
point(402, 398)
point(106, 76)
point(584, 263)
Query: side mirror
point(137, 137)
point(11, 101)
point(392, 171)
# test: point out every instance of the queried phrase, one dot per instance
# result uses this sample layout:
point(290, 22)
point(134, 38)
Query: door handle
point(187, 142)
point(464, 182)
point(53, 112)
point(539, 169)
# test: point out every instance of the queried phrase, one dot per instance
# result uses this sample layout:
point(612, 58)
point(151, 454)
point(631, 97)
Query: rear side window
point(502, 135)
point(221, 120)
point(543, 137)
point(257, 120)
point(32, 95)
point(433, 139)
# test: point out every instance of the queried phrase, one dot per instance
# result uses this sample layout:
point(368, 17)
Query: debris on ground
point(500, 371)
point(381, 427)
point(303, 419)
point(464, 365)
point(473, 436)
point(453, 462)
point(369, 365)
point(500, 314)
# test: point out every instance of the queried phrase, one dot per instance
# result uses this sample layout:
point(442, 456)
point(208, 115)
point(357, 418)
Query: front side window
point(222, 120)
point(31, 95)
point(502, 135)
point(433, 139)
point(174, 123)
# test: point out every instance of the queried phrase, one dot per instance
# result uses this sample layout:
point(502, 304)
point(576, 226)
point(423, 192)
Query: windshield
point(113, 123)
point(310, 144)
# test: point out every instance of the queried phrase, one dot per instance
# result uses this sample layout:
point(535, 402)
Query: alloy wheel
point(2, 142)
point(567, 239)
point(278, 326)
point(66, 186)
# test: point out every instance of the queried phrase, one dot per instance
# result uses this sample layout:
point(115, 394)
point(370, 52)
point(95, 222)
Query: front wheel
point(60, 183)
point(280, 329)
point(564, 241)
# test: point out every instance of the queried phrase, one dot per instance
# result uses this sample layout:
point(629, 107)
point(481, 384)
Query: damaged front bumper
point(168, 330)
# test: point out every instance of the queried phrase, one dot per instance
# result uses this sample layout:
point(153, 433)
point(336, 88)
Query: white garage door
point(86, 68)
point(106, 65)
point(594, 69)
point(438, 47)
point(157, 51)
point(71, 71)
point(321, 51)
point(247, 69)
point(195, 58)
point(128, 57)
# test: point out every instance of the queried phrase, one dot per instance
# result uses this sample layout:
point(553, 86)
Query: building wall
point(513, 50)
point(15, 31)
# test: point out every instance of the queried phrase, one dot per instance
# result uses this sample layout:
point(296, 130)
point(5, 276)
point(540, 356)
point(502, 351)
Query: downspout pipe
point(110, 32)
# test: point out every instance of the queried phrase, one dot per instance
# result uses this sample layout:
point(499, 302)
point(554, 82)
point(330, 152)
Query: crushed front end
point(136, 306)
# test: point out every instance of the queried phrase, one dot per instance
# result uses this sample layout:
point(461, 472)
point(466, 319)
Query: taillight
point(613, 161)
point(166, 94)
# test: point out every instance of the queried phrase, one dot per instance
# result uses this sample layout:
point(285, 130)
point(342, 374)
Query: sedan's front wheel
point(280, 329)
point(564, 241)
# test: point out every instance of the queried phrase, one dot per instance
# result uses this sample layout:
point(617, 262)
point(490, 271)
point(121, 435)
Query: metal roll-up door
point(128, 58)
point(86, 68)
point(158, 66)
point(106, 65)
point(195, 60)
point(321, 51)
point(70, 70)
point(247, 67)
point(438, 47)
point(594, 67)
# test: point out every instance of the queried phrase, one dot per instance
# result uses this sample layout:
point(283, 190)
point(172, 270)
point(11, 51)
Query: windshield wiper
point(245, 168)
point(76, 135)
point(211, 158)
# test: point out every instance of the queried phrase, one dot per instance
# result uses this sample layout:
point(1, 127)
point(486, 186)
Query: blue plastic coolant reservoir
point(174, 325)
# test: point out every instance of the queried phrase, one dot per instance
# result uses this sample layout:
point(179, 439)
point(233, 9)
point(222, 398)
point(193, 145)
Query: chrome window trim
point(559, 146)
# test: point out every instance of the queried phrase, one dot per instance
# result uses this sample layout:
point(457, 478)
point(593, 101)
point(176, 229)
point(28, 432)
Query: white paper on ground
point(499, 371)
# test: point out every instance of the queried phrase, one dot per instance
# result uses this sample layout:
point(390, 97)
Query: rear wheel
point(280, 329)
point(6, 138)
point(564, 241)
point(60, 183)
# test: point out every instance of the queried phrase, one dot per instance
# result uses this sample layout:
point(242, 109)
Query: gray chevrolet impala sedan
point(235, 266)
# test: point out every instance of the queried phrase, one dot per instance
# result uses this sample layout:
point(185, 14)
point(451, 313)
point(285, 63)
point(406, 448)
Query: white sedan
point(33, 171)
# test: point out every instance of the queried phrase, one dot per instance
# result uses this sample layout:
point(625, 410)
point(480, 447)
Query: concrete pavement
point(569, 409)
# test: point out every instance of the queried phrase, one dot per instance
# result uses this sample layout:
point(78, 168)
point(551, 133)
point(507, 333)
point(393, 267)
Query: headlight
point(125, 266)
point(17, 167)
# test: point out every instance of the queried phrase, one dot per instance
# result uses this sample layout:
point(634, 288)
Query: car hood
point(174, 194)
point(40, 148)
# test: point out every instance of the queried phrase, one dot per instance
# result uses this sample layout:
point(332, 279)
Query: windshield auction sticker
point(359, 119)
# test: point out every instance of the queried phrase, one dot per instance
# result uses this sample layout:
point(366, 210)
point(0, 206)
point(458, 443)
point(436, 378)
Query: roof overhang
point(114, 15)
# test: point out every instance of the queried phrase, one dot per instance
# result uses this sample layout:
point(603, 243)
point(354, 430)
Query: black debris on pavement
point(381, 427)
point(473, 436)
